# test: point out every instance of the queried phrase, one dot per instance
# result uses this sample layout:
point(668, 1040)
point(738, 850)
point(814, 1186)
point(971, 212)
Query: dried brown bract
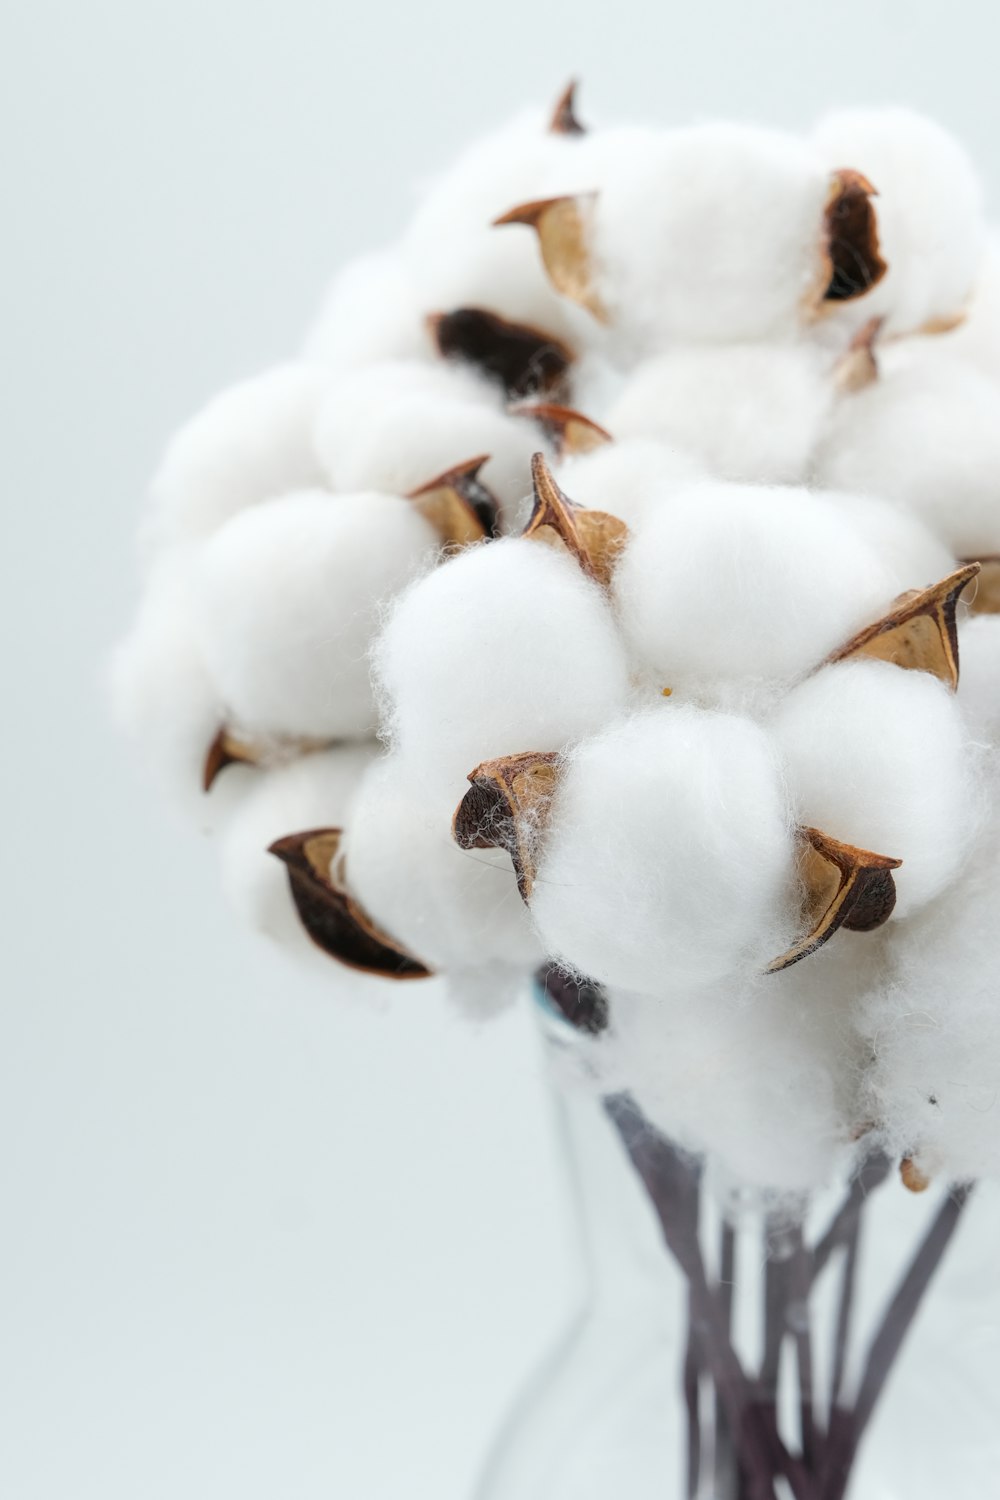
point(581, 1002)
point(564, 119)
point(522, 359)
point(562, 227)
point(593, 537)
point(852, 262)
point(458, 505)
point(331, 918)
point(569, 431)
point(919, 632)
point(984, 598)
point(507, 807)
point(859, 366)
point(844, 887)
point(230, 749)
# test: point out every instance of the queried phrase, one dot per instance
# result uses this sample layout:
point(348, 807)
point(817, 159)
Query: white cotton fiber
point(977, 338)
point(626, 478)
point(710, 233)
point(313, 791)
point(743, 411)
point(916, 556)
point(249, 443)
point(395, 427)
point(934, 1033)
point(162, 693)
point(727, 589)
point(925, 434)
point(287, 601)
point(979, 683)
point(452, 908)
point(507, 647)
point(370, 313)
point(929, 210)
point(876, 756)
point(668, 858)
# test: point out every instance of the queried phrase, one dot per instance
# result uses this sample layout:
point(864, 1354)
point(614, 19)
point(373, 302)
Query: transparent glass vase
point(722, 1350)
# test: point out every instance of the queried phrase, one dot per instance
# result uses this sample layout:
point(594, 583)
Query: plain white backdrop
point(253, 1244)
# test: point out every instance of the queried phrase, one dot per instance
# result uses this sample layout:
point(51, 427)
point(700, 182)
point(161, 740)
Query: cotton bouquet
point(644, 499)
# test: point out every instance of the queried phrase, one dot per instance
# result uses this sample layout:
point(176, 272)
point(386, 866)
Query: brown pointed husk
point(919, 633)
point(459, 505)
point(507, 807)
point(844, 887)
point(522, 359)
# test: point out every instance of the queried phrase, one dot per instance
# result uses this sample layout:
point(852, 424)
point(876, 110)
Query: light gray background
point(254, 1244)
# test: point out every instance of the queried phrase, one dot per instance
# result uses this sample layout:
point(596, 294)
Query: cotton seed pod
point(726, 589)
point(506, 645)
point(919, 632)
point(876, 757)
point(667, 857)
point(925, 434)
point(395, 427)
point(248, 444)
point(593, 538)
point(744, 412)
point(626, 478)
point(519, 358)
point(714, 233)
point(313, 791)
point(456, 909)
point(930, 211)
point(370, 313)
point(287, 601)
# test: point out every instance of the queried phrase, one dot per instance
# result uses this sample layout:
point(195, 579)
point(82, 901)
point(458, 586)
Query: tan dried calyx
point(844, 887)
point(563, 229)
point(458, 505)
point(564, 119)
point(507, 807)
point(593, 537)
point(919, 632)
point(851, 263)
point(331, 917)
point(859, 366)
point(523, 359)
point(984, 599)
point(230, 748)
point(569, 431)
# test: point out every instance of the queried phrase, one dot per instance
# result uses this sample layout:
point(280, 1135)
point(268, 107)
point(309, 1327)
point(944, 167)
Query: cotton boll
point(370, 313)
point(725, 590)
point(977, 338)
point(904, 543)
point(626, 478)
point(250, 443)
point(979, 685)
point(668, 856)
point(507, 647)
point(925, 434)
point(710, 234)
point(313, 791)
point(452, 908)
point(287, 600)
point(745, 412)
point(876, 756)
point(394, 428)
point(162, 693)
point(929, 210)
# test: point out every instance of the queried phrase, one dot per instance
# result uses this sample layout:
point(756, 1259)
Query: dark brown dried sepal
point(331, 918)
point(593, 537)
point(859, 366)
point(844, 887)
point(984, 599)
point(226, 749)
point(562, 227)
point(569, 431)
point(919, 632)
point(564, 119)
point(913, 1177)
point(507, 807)
point(852, 259)
point(458, 505)
point(522, 359)
point(582, 1002)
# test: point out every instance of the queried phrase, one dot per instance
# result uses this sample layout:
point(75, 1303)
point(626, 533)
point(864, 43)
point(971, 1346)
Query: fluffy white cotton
point(162, 693)
point(452, 908)
point(925, 434)
point(745, 411)
point(876, 756)
point(626, 478)
point(507, 647)
point(906, 544)
point(710, 234)
point(394, 427)
point(729, 589)
point(979, 680)
point(934, 1033)
point(287, 601)
point(313, 791)
point(668, 857)
point(929, 210)
point(977, 339)
point(370, 313)
point(249, 443)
